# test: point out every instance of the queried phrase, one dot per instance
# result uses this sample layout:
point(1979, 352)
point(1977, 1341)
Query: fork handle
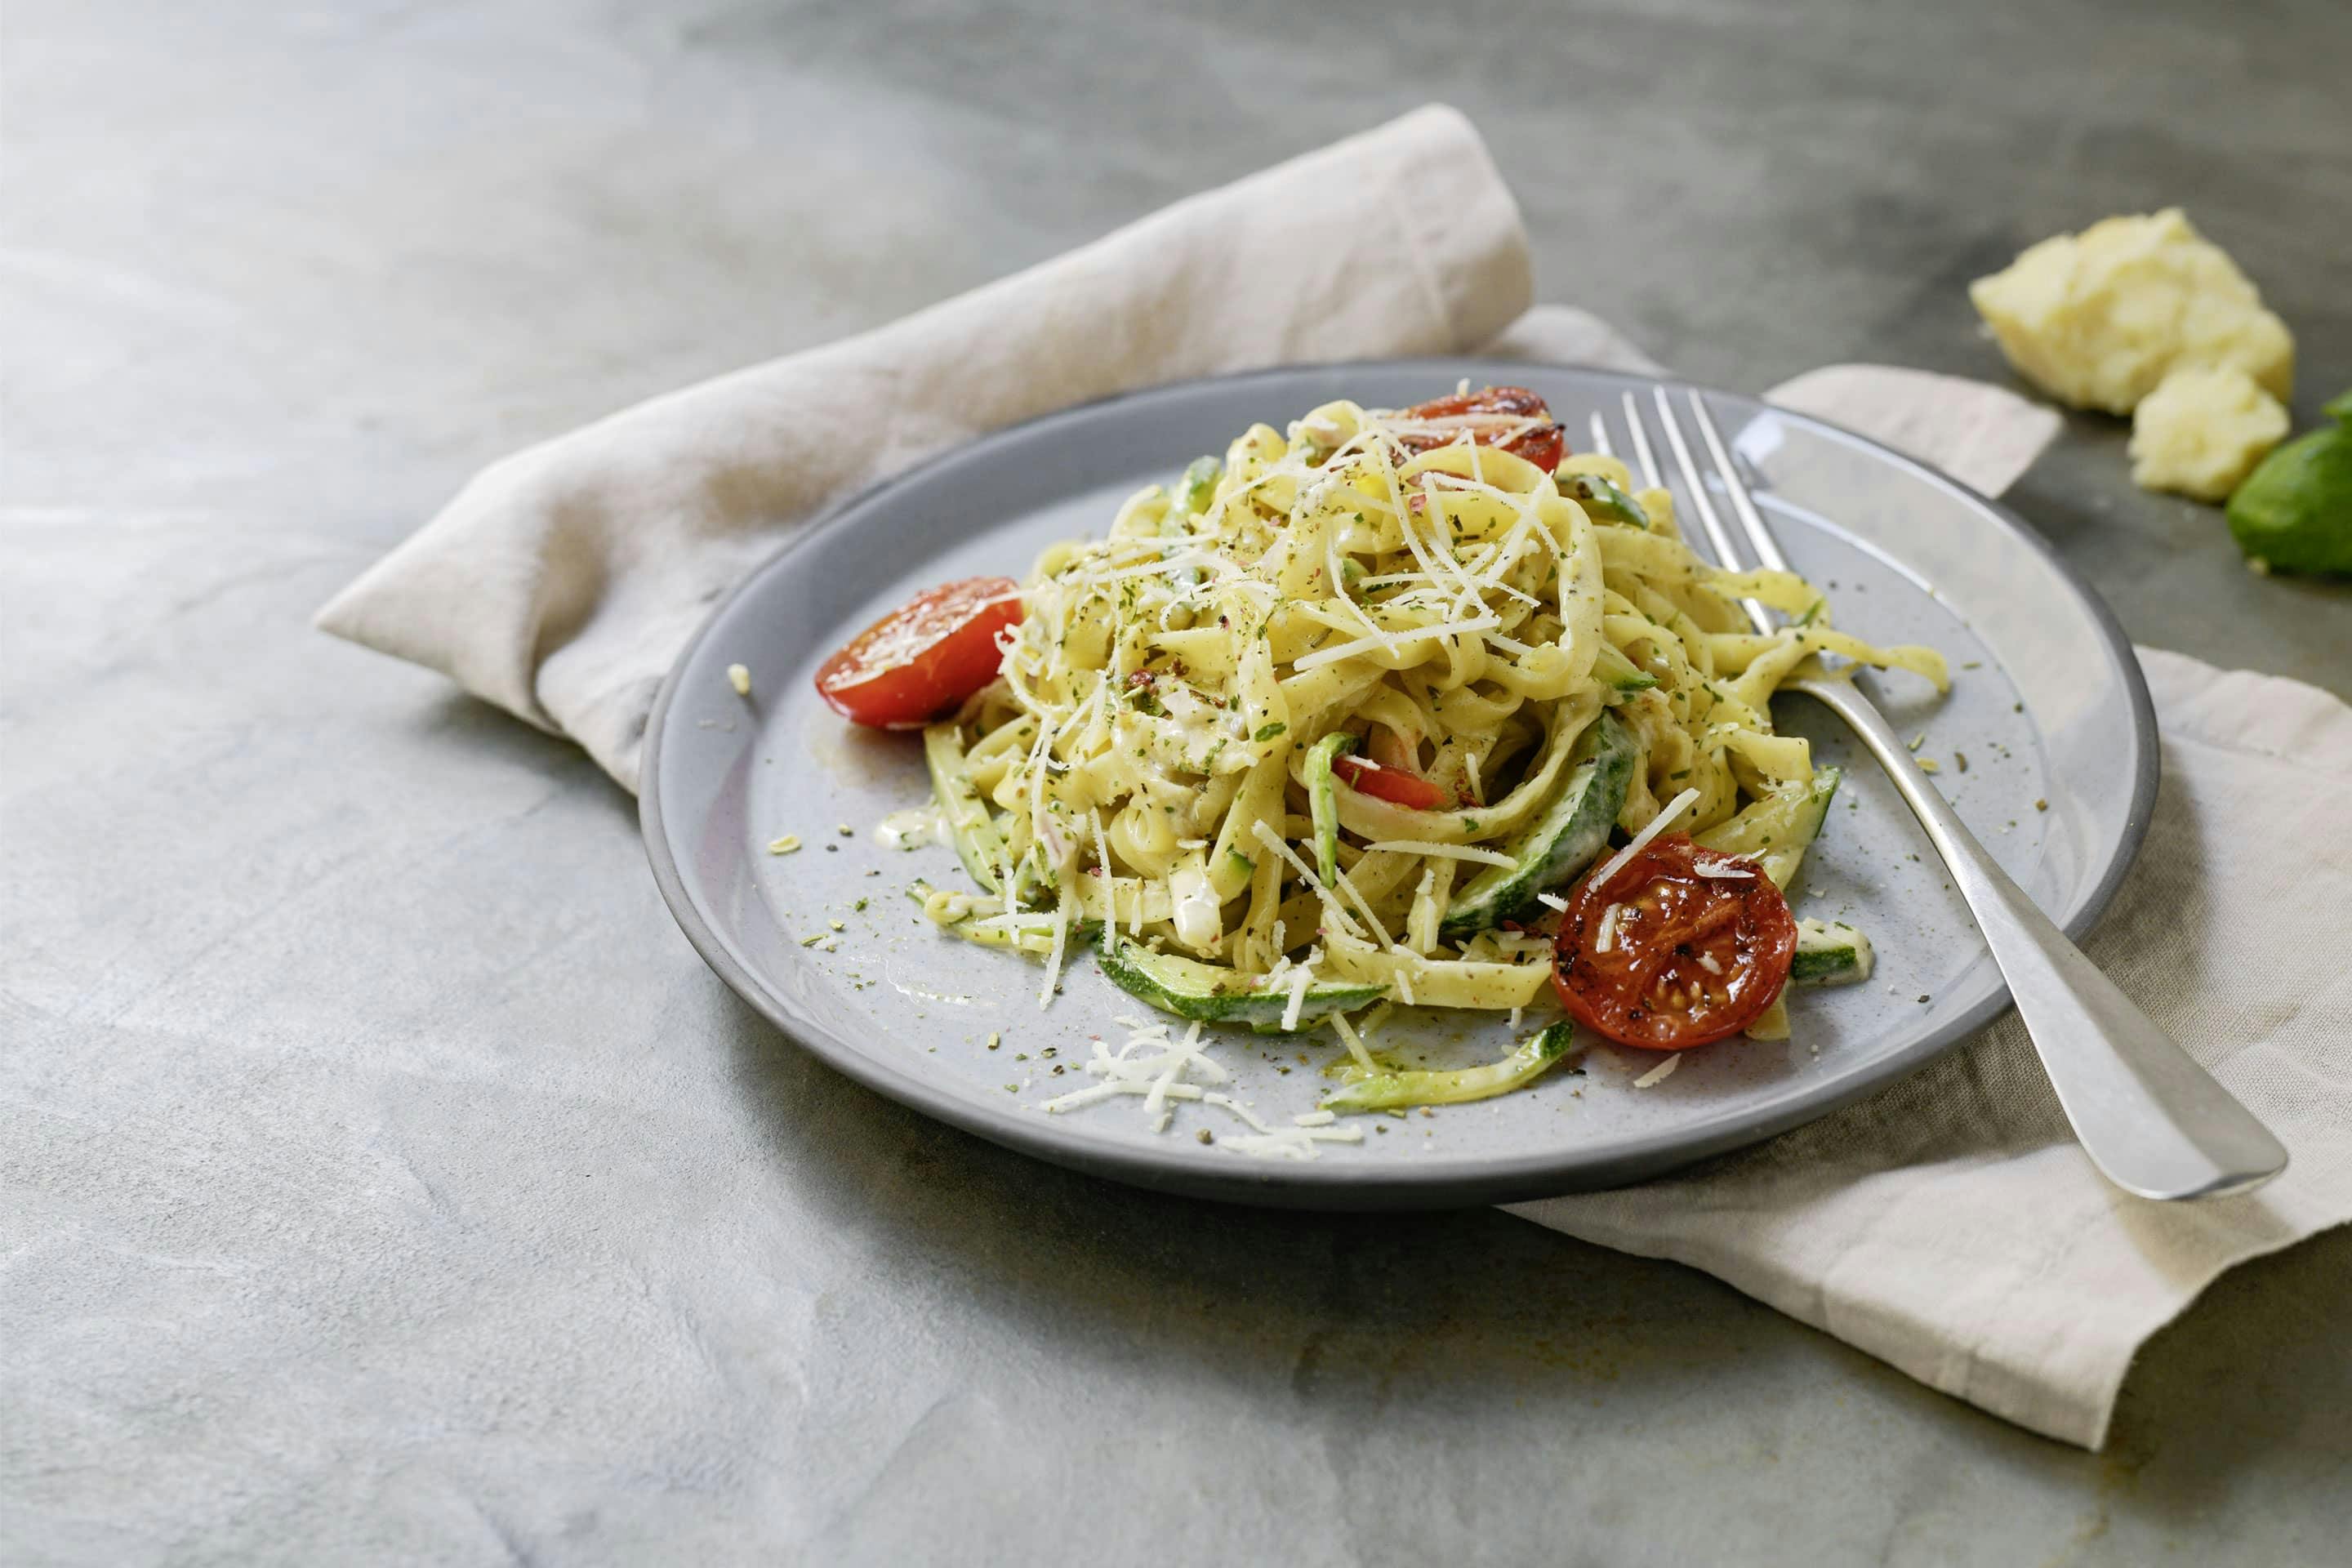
point(2152, 1120)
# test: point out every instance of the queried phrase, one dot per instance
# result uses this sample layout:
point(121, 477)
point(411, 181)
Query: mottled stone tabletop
point(385, 1179)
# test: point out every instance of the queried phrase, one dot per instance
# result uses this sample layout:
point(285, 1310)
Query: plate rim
point(1390, 1186)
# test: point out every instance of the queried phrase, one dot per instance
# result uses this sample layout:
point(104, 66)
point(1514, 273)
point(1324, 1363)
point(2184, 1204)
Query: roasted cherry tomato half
point(1493, 412)
point(1681, 947)
point(1398, 786)
point(924, 658)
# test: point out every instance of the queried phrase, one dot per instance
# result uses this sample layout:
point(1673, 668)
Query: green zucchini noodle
point(1147, 758)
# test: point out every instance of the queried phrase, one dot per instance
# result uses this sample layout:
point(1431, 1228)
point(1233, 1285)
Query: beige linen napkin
point(1949, 1226)
point(562, 582)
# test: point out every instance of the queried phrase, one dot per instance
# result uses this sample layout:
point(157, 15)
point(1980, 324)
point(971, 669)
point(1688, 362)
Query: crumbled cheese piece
point(1930, 765)
point(739, 679)
point(1553, 901)
point(784, 845)
point(2100, 317)
point(2202, 430)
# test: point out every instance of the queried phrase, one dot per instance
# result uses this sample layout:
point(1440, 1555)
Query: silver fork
point(2148, 1116)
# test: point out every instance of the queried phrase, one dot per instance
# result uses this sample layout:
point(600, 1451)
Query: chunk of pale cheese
point(2202, 430)
point(2099, 317)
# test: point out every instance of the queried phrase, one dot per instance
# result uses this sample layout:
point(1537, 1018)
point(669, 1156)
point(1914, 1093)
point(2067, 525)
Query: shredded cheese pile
point(1162, 1070)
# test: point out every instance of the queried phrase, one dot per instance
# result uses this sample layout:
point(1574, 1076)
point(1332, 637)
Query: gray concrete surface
point(371, 1138)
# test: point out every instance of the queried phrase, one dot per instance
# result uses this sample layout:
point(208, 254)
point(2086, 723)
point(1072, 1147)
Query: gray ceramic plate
point(2048, 707)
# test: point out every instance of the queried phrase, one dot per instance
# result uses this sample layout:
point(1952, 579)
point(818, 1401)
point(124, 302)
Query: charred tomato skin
point(1691, 958)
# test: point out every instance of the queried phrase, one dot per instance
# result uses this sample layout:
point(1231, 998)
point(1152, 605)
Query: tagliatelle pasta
point(1332, 719)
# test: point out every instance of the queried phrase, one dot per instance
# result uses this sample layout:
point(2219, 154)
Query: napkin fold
point(1950, 1225)
point(562, 582)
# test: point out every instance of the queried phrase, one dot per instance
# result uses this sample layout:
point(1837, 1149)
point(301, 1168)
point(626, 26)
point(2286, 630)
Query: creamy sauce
point(1198, 913)
point(912, 828)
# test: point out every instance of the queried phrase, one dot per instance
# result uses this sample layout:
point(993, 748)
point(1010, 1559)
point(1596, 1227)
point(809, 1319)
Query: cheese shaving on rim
point(1156, 1100)
point(1160, 1069)
point(1053, 961)
point(1658, 1074)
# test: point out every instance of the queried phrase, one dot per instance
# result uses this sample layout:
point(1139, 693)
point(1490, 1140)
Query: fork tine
point(1649, 460)
point(1759, 535)
point(1600, 436)
point(1725, 555)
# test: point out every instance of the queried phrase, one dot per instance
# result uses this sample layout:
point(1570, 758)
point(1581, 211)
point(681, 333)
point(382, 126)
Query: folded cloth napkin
point(1950, 1225)
point(562, 582)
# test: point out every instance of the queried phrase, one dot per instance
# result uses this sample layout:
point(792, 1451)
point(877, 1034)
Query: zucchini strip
point(976, 843)
point(1779, 829)
point(1564, 841)
point(1397, 1091)
point(1830, 954)
point(1603, 501)
point(1323, 803)
point(1214, 994)
point(985, 925)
